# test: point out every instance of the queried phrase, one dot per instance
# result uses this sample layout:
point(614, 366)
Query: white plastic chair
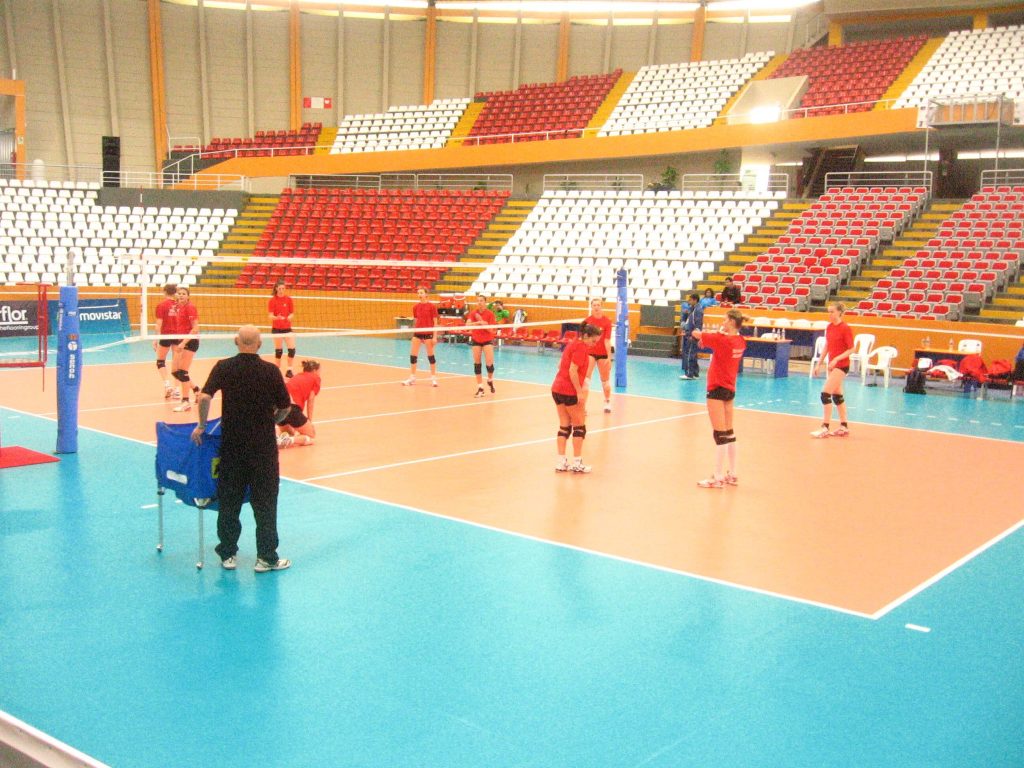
point(883, 357)
point(862, 344)
point(819, 354)
point(969, 346)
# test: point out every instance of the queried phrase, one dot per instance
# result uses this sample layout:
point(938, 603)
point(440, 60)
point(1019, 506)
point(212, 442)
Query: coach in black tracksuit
point(254, 399)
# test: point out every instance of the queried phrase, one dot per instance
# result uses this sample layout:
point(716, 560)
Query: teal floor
point(401, 639)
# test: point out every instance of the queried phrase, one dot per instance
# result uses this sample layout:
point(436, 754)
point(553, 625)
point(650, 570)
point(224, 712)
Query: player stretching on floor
point(183, 321)
point(839, 343)
point(569, 391)
point(281, 308)
point(601, 354)
point(424, 315)
point(726, 358)
point(162, 347)
point(482, 340)
point(297, 428)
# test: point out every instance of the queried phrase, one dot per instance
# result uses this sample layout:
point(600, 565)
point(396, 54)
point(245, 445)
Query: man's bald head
point(248, 338)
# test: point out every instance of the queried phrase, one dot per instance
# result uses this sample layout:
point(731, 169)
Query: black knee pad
point(580, 432)
point(564, 431)
point(826, 398)
point(721, 437)
point(161, 363)
point(477, 368)
point(730, 436)
point(838, 399)
point(431, 359)
point(181, 375)
point(291, 353)
point(490, 369)
point(413, 359)
point(278, 353)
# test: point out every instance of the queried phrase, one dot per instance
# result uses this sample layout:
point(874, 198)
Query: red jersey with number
point(726, 359)
point(301, 386)
point(424, 315)
point(605, 324)
point(481, 336)
point(576, 352)
point(282, 308)
point(180, 319)
point(838, 339)
point(161, 313)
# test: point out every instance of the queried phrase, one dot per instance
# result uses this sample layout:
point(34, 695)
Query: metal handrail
point(732, 182)
point(425, 181)
point(94, 174)
point(1010, 177)
point(593, 181)
point(879, 179)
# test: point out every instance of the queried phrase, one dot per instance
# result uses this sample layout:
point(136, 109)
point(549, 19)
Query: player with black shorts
point(281, 309)
point(569, 391)
point(839, 344)
point(483, 343)
point(727, 348)
point(424, 315)
point(297, 428)
point(183, 322)
point(162, 347)
point(601, 354)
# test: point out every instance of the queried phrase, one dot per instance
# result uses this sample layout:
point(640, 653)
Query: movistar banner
point(19, 318)
point(97, 315)
point(69, 370)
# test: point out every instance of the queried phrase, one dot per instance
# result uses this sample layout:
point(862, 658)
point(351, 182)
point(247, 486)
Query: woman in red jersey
point(727, 348)
point(839, 344)
point(297, 428)
point(601, 354)
point(281, 309)
point(569, 391)
point(424, 315)
point(483, 343)
point(162, 347)
point(182, 321)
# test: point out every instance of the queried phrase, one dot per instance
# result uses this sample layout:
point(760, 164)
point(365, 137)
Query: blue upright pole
point(621, 328)
point(69, 370)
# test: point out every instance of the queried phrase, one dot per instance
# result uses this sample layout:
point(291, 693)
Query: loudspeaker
point(111, 161)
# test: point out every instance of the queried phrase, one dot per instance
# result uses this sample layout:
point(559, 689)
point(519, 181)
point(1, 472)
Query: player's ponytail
point(309, 366)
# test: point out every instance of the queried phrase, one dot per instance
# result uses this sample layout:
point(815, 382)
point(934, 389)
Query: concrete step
point(1009, 302)
point(1000, 314)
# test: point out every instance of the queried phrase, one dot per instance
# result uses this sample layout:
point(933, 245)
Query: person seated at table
point(731, 293)
point(709, 299)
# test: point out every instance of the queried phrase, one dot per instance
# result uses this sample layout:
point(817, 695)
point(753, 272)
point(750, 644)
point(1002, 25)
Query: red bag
point(973, 367)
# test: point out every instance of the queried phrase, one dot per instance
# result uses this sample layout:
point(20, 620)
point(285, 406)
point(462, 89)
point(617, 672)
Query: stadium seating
point(826, 245)
point(409, 127)
point(267, 143)
point(421, 225)
point(42, 225)
point(676, 97)
point(975, 253)
point(573, 242)
point(857, 74)
point(550, 110)
point(985, 61)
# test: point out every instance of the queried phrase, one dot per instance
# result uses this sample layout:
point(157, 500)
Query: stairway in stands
point(825, 160)
point(608, 105)
point(486, 246)
point(240, 240)
point(465, 124)
point(1006, 306)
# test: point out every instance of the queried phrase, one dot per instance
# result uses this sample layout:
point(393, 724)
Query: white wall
point(406, 65)
point(271, 81)
point(540, 53)
point(226, 73)
point(129, 20)
point(363, 39)
point(183, 99)
point(629, 47)
point(723, 41)
point(86, 73)
point(495, 58)
point(453, 66)
point(586, 49)
point(319, 64)
point(37, 66)
point(673, 43)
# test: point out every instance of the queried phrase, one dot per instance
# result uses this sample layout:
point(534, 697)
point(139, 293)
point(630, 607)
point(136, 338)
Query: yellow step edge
point(465, 124)
point(906, 77)
point(1000, 314)
point(325, 141)
point(604, 111)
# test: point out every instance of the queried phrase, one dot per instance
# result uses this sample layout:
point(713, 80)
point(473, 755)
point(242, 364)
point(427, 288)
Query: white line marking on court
point(469, 404)
point(148, 506)
point(946, 571)
point(918, 628)
point(489, 449)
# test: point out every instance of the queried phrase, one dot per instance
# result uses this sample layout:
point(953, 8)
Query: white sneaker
point(820, 432)
point(839, 431)
point(731, 479)
point(607, 406)
point(184, 406)
point(284, 440)
point(169, 392)
point(433, 382)
point(711, 482)
point(409, 382)
point(229, 563)
point(262, 566)
point(562, 465)
point(175, 394)
point(580, 468)
point(479, 392)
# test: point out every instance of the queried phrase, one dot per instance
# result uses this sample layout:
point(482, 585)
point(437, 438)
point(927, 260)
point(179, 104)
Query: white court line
point(918, 628)
point(469, 404)
point(445, 456)
point(945, 571)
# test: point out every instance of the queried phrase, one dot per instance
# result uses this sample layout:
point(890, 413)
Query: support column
point(204, 81)
point(980, 21)
point(474, 47)
point(250, 77)
point(429, 54)
point(62, 83)
point(652, 40)
point(700, 21)
point(517, 52)
point(339, 68)
point(835, 34)
point(608, 42)
point(385, 63)
point(156, 82)
point(563, 50)
point(295, 65)
point(16, 88)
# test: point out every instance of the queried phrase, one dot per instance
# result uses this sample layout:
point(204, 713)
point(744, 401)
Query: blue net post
point(621, 328)
point(69, 370)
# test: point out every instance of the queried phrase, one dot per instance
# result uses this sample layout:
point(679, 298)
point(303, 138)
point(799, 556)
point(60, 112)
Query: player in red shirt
point(182, 321)
point(569, 391)
point(601, 354)
point(839, 344)
point(297, 427)
point(424, 315)
point(162, 347)
point(727, 348)
point(281, 309)
point(482, 339)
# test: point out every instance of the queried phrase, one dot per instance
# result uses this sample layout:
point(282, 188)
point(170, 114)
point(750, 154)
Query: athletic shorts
point(424, 336)
point(295, 418)
point(599, 357)
point(483, 343)
point(275, 331)
point(169, 342)
point(192, 345)
point(844, 368)
point(561, 399)
point(721, 393)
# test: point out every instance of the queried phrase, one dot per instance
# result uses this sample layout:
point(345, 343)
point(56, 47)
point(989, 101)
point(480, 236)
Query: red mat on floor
point(13, 456)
